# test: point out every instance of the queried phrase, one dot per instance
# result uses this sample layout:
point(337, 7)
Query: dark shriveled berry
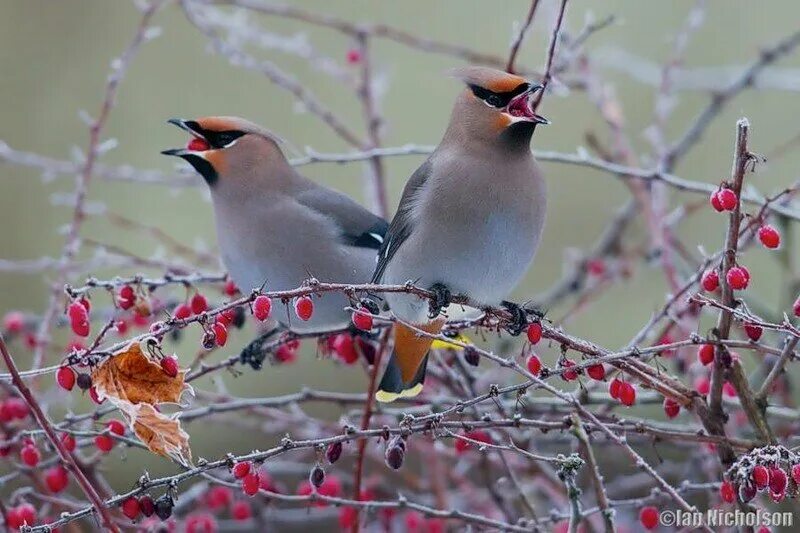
point(333, 452)
point(147, 505)
point(84, 381)
point(394, 457)
point(164, 507)
point(471, 356)
point(317, 476)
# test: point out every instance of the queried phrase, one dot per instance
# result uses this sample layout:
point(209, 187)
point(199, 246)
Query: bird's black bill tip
point(178, 152)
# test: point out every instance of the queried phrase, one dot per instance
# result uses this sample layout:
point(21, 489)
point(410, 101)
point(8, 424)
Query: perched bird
point(469, 220)
point(275, 227)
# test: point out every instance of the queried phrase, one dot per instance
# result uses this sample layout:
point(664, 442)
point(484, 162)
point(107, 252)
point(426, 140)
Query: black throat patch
point(203, 167)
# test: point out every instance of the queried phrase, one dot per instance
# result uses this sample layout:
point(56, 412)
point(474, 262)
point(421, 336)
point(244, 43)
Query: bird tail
point(405, 373)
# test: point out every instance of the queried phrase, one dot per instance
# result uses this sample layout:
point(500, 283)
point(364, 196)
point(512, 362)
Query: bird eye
point(224, 138)
point(494, 100)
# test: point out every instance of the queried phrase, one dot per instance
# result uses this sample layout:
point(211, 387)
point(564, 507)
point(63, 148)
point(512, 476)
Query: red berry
point(534, 332)
point(182, 311)
point(169, 365)
point(285, 354)
point(127, 297)
point(671, 408)
point(760, 476)
point(345, 348)
point(706, 354)
point(218, 497)
point(251, 484)
point(220, 333)
point(230, 288)
point(648, 516)
point(727, 199)
point(17, 408)
point(241, 469)
point(715, 203)
point(769, 236)
point(199, 304)
point(353, 56)
point(240, 510)
point(196, 144)
point(26, 514)
point(796, 307)
point(614, 388)
point(596, 267)
point(596, 372)
point(68, 441)
point(116, 427)
point(347, 517)
point(702, 385)
point(93, 395)
point(14, 322)
point(568, 375)
point(130, 508)
point(753, 331)
point(85, 303)
point(56, 478)
point(121, 326)
point(104, 443)
point(362, 321)
point(80, 328)
point(796, 473)
point(77, 312)
point(262, 307)
point(737, 278)
point(65, 378)
point(30, 455)
point(627, 394)
point(710, 281)
point(147, 505)
point(534, 365)
point(462, 445)
point(304, 308)
point(777, 481)
point(727, 492)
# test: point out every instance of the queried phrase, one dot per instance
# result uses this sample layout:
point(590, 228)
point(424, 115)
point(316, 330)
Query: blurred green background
point(55, 57)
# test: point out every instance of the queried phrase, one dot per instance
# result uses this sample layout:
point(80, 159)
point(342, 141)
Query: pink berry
point(727, 492)
point(727, 199)
point(534, 332)
point(706, 354)
point(127, 297)
point(796, 473)
point(230, 288)
point(14, 322)
point(777, 481)
point(796, 307)
point(671, 408)
point(769, 236)
point(116, 427)
point(251, 484)
point(198, 303)
point(760, 476)
point(240, 510)
point(130, 508)
point(169, 365)
point(710, 281)
point(362, 320)
point(76, 312)
point(80, 327)
point(715, 203)
point(262, 307)
point(568, 375)
point(183, 311)
point(534, 365)
point(104, 443)
point(596, 372)
point(65, 377)
point(68, 441)
point(241, 469)
point(737, 278)
point(702, 385)
point(304, 308)
point(753, 331)
point(220, 333)
point(94, 396)
point(627, 394)
point(353, 56)
point(648, 516)
point(56, 479)
point(30, 455)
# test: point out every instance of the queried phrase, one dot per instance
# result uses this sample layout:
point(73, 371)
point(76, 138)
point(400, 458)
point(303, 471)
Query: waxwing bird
point(275, 227)
point(469, 220)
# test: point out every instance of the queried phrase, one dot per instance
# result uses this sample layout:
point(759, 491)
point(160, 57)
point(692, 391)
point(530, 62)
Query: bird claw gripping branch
point(519, 318)
point(254, 354)
point(441, 299)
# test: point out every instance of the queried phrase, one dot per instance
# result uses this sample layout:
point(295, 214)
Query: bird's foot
point(441, 299)
point(519, 318)
point(253, 354)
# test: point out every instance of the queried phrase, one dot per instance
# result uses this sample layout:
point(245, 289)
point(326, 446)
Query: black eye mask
point(217, 139)
point(498, 100)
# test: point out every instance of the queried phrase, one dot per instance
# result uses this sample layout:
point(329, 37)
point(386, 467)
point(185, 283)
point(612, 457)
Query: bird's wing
point(358, 226)
point(402, 224)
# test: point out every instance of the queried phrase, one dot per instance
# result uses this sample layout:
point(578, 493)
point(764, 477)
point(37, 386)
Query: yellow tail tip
point(388, 397)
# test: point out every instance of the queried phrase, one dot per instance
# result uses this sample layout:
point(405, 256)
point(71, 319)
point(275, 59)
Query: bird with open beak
point(469, 220)
point(275, 227)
